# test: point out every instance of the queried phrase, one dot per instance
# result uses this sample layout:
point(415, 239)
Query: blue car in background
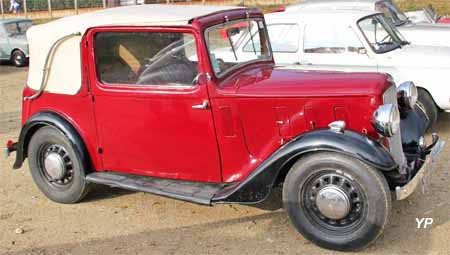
point(13, 41)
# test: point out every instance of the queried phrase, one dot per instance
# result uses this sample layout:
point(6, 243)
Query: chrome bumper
point(423, 176)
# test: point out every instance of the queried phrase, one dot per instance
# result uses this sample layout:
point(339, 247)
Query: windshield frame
point(390, 30)
point(239, 65)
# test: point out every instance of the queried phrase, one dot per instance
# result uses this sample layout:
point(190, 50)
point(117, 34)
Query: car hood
point(426, 34)
point(420, 56)
point(271, 81)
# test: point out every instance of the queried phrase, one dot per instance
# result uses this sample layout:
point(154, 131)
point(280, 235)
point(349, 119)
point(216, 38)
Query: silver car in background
point(13, 41)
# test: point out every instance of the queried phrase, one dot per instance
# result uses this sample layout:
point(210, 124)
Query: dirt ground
point(112, 221)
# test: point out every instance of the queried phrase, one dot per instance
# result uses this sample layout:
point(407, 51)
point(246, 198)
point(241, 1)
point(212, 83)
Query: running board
point(196, 192)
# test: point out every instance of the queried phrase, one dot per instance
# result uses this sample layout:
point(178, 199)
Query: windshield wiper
point(232, 46)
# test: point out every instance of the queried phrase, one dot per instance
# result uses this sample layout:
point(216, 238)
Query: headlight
point(407, 95)
point(386, 120)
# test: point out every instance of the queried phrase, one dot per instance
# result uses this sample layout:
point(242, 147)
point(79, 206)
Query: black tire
point(365, 220)
point(72, 187)
point(430, 107)
point(18, 58)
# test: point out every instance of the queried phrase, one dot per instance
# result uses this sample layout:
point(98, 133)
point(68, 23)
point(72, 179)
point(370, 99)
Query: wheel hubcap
point(333, 202)
point(54, 166)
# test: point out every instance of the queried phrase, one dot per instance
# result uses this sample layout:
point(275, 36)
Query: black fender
point(47, 118)
point(413, 125)
point(257, 186)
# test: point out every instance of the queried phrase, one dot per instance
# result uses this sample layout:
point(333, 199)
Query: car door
point(334, 47)
point(4, 44)
point(152, 117)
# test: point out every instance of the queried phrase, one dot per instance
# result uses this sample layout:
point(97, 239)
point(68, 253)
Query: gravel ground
point(112, 221)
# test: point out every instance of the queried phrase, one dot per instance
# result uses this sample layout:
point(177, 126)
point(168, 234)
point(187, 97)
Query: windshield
point(380, 34)
point(224, 41)
point(392, 13)
point(431, 13)
point(16, 28)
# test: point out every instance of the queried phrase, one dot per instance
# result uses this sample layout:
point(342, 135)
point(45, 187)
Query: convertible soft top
point(64, 68)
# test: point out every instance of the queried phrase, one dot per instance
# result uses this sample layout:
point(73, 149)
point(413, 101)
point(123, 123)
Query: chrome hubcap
point(333, 202)
point(54, 166)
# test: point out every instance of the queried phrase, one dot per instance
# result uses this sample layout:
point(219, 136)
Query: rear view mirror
point(233, 31)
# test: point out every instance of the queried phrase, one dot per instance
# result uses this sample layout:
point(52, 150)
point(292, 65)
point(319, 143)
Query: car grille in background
point(395, 141)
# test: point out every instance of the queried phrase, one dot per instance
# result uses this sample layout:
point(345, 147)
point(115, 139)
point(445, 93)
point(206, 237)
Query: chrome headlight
point(386, 120)
point(407, 95)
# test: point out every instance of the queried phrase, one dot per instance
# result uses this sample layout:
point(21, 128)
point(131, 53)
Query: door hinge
point(92, 98)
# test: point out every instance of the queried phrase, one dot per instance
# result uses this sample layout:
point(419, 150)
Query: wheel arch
point(257, 186)
point(16, 49)
point(55, 120)
point(427, 91)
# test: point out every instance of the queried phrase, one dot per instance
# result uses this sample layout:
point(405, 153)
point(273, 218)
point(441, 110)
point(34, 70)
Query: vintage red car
point(154, 98)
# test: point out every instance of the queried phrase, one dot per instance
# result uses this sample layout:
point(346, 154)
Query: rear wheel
point(56, 167)
point(430, 107)
point(336, 202)
point(18, 58)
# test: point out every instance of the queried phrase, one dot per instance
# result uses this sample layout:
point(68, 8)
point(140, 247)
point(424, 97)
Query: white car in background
point(354, 41)
point(419, 34)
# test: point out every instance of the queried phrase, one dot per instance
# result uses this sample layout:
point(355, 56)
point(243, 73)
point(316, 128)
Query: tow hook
point(10, 147)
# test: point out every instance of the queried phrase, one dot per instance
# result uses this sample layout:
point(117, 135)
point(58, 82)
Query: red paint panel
point(76, 109)
point(227, 121)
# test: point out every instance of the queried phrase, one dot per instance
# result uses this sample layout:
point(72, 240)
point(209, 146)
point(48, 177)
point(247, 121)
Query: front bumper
point(423, 176)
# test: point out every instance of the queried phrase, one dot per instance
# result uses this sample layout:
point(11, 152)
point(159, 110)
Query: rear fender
point(55, 120)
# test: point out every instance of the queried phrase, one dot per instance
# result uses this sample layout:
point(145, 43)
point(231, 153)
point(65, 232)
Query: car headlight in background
point(407, 95)
point(386, 120)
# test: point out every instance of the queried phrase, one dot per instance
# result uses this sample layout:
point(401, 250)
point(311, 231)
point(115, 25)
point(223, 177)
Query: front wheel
point(56, 167)
point(336, 201)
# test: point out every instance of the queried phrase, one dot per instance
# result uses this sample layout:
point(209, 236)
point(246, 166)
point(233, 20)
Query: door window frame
point(100, 87)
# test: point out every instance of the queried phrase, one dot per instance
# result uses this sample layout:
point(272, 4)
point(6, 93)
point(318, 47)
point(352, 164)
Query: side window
point(145, 58)
point(284, 37)
point(331, 39)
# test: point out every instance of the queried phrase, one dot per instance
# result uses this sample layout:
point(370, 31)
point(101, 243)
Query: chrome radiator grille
point(395, 142)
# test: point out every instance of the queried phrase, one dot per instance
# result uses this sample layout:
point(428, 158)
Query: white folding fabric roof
point(65, 68)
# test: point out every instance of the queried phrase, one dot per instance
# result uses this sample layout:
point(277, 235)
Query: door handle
point(203, 106)
point(303, 63)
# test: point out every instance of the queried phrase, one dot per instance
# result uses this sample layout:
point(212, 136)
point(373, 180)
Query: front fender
point(41, 119)
point(256, 187)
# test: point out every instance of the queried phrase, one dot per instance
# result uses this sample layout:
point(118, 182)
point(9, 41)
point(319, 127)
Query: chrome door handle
point(303, 63)
point(203, 106)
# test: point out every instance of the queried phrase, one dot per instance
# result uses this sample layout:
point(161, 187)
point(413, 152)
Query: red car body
point(230, 137)
point(445, 20)
point(254, 111)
